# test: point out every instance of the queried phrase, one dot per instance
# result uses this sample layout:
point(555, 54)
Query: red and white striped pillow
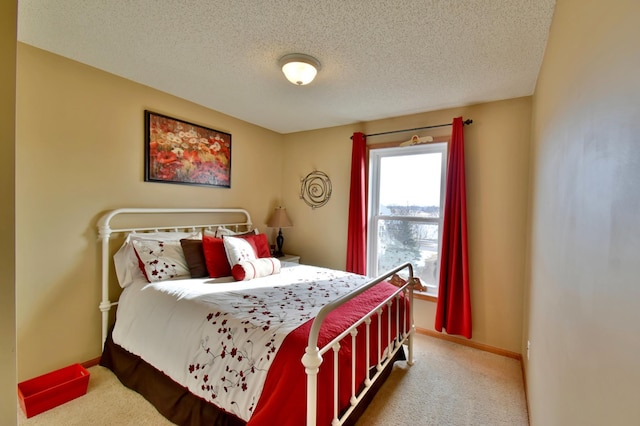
point(250, 269)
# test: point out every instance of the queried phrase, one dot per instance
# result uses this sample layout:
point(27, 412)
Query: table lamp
point(279, 219)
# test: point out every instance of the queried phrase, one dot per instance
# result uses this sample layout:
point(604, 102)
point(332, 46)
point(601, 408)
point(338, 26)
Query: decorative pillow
point(215, 257)
point(161, 260)
point(250, 269)
point(238, 250)
point(126, 261)
point(194, 256)
point(260, 244)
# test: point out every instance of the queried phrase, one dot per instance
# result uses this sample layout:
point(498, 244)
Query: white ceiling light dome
point(300, 69)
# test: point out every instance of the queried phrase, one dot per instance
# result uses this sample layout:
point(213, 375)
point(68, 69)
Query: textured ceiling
point(379, 58)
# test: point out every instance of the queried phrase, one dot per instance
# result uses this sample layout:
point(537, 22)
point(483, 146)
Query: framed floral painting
point(177, 151)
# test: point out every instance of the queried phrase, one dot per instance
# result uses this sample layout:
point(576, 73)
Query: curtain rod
point(466, 122)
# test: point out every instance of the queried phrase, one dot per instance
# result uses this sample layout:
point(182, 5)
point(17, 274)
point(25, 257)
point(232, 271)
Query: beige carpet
point(449, 385)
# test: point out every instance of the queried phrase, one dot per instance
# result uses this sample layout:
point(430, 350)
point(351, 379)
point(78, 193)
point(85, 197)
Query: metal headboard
point(105, 230)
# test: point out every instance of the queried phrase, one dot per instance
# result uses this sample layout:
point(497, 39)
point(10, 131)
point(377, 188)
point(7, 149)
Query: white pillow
point(162, 260)
point(126, 261)
point(238, 250)
point(222, 231)
point(250, 269)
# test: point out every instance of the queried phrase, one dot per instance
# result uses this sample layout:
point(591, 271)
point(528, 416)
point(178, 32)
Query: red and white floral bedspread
point(218, 339)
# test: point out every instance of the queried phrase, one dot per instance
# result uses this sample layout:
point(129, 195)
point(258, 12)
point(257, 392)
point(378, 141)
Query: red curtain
point(357, 231)
point(453, 311)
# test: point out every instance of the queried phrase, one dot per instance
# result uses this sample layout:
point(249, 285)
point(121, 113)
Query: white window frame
point(375, 156)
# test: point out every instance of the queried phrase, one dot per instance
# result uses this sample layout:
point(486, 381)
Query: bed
point(253, 342)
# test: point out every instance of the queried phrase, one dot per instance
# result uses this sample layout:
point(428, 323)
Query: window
point(406, 210)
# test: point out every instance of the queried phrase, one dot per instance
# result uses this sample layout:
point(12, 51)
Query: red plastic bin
point(45, 392)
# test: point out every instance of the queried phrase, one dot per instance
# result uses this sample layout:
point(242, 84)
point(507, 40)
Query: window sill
point(425, 296)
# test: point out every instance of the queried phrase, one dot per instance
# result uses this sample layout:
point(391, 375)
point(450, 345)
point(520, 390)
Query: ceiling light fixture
point(300, 69)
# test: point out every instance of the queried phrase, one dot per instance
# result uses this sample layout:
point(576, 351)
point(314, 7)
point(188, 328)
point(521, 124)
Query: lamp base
point(279, 243)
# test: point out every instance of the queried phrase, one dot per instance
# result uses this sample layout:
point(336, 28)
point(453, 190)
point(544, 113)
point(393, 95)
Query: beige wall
point(318, 235)
point(497, 157)
point(582, 305)
point(79, 153)
point(8, 25)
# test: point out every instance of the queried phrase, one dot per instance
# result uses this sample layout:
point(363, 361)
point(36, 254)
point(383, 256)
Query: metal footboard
point(313, 356)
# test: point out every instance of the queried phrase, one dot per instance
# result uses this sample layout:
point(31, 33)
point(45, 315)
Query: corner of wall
point(8, 40)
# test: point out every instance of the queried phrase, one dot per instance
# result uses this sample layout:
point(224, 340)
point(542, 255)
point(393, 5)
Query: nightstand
point(290, 258)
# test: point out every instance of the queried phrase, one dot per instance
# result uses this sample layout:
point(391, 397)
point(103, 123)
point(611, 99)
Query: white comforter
point(219, 337)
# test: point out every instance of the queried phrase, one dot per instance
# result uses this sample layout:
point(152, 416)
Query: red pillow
point(141, 266)
point(215, 257)
point(259, 243)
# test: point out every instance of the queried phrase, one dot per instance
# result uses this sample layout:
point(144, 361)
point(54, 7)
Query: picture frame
point(180, 152)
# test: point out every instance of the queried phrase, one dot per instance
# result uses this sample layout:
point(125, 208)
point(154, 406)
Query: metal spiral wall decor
point(316, 189)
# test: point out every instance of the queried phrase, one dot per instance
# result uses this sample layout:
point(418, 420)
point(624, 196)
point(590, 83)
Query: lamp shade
point(279, 219)
point(299, 69)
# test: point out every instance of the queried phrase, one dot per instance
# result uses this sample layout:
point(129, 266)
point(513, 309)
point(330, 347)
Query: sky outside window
point(410, 180)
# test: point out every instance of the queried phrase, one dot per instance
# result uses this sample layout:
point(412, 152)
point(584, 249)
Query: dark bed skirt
point(180, 406)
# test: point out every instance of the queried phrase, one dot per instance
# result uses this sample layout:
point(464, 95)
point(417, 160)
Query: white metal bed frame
point(313, 356)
